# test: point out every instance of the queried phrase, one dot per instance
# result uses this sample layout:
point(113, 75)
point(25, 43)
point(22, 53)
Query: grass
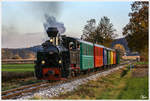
point(17, 71)
point(135, 88)
point(142, 63)
point(118, 85)
point(15, 75)
point(8, 76)
point(17, 67)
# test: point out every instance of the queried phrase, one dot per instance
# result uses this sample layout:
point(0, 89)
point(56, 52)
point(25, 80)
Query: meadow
point(15, 75)
point(18, 67)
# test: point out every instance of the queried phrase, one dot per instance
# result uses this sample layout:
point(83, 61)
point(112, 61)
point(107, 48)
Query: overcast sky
point(22, 22)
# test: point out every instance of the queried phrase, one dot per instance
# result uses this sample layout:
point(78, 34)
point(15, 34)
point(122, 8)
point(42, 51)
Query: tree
point(102, 33)
point(106, 31)
point(88, 31)
point(136, 31)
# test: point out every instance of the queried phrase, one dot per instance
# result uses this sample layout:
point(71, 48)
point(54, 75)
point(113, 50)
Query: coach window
point(71, 45)
point(86, 50)
point(78, 46)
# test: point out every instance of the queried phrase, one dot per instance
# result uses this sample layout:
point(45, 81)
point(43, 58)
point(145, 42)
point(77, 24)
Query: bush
point(125, 71)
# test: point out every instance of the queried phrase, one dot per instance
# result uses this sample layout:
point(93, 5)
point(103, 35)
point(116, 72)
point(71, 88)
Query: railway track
point(21, 90)
point(14, 93)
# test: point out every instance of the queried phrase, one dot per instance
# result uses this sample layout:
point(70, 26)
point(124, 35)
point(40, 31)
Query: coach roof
point(110, 49)
point(85, 42)
point(99, 45)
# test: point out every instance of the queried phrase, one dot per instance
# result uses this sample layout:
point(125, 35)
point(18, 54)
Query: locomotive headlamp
point(51, 40)
point(51, 53)
point(43, 62)
point(59, 61)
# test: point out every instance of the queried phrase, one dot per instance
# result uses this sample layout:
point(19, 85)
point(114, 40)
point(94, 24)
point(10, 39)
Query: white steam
point(52, 22)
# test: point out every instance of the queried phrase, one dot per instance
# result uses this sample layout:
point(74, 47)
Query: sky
point(22, 22)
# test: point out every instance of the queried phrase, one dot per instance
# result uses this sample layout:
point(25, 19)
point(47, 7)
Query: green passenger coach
point(86, 55)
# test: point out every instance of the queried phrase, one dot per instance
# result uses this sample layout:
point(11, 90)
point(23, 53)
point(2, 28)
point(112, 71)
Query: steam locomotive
point(62, 57)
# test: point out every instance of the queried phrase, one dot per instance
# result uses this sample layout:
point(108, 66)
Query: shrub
point(124, 72)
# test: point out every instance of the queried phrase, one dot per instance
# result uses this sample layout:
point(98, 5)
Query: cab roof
point(79, 40)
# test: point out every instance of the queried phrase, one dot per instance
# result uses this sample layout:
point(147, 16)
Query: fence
point(18, 61)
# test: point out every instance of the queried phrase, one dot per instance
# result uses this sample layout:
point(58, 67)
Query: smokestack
point(52, 31)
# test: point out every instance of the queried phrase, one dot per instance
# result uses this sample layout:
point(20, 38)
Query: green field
point(135, 88)
point(17, 67)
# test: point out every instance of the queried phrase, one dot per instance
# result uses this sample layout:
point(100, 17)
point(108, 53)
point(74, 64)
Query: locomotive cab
point(73, 45)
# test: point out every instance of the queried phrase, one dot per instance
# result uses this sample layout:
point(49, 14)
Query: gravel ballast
point(62, 88)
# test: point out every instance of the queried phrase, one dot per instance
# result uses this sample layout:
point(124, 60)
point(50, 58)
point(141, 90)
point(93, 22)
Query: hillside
point(20, 53)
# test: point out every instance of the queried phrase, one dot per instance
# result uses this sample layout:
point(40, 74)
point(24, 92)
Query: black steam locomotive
point(53, 61)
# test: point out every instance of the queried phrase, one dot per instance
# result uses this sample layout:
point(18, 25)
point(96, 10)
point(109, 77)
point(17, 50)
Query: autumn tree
point(136, 31)
point(103, 33)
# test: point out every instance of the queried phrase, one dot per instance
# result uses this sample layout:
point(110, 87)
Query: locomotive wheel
point(50, 81)
point(72, 74)
point(78, 73)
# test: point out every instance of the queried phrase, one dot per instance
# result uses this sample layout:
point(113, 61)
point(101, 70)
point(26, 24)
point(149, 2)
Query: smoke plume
point(50, 8)
point(38, 12)
point(52, 22)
